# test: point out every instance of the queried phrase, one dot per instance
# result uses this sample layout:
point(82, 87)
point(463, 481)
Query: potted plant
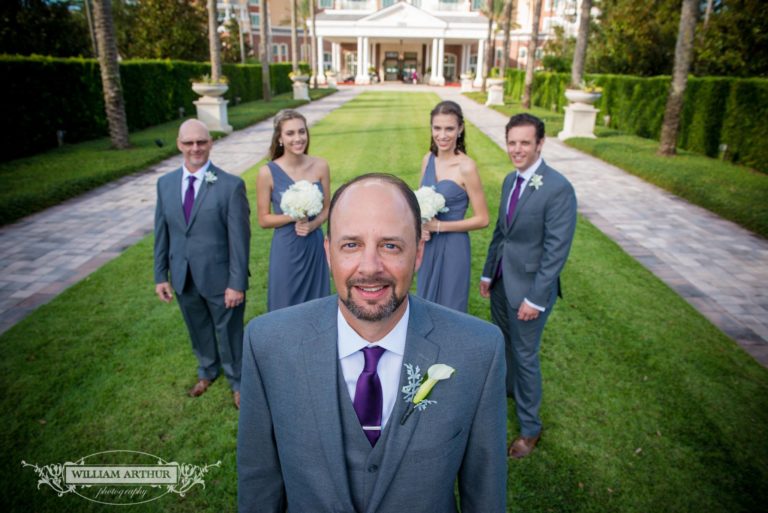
point(205, 86)
point(298, 76)
point(494, 78)
point(585, 92)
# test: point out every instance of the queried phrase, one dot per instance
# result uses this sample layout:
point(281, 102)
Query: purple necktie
point(189, 198)
point(368, 396)
point(515, 195)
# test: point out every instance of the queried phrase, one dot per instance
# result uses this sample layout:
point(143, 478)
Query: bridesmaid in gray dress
point(298, 270)
point(444, 276)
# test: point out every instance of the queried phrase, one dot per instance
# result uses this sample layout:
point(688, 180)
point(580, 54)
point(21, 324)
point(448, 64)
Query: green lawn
point(736, 193)
point(645, 409)
point(35, 183)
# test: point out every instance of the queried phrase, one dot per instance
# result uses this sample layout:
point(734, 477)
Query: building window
point(255, 21)
point(326, 4)
point(539, 53)
point(478, 4)
point(450, 5)
point(523, 52)
point(327, 61)
point(387, 3)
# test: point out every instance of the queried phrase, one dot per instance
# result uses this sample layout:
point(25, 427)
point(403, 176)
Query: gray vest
point(363, 461)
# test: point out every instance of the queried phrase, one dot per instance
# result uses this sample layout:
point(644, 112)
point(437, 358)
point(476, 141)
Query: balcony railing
point(356, 5)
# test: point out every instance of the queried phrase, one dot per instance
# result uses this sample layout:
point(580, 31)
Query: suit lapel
point(321, 366)
point(175, 208)
point(421, 352)
point(204, 186)
point(506, 188)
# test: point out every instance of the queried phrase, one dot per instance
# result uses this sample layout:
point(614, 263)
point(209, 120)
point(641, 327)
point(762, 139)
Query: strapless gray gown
point(445, 272)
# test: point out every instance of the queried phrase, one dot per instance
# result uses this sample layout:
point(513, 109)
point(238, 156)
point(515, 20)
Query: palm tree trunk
point(294, 39)
point(488, 49)
point(266, 91)
point(683, 57)
point(508, 8)
point(110, 74)
point(580, 52)
point(313, 59)
point(214, 44)
point(531, 62)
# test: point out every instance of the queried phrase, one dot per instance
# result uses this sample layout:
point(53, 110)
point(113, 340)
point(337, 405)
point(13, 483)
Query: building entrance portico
point(393, 43)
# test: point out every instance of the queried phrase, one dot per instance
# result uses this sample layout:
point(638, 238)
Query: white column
point(480, 63)
point(336, 57)
point(433, 61)
point(464, 59)
point(360, 76)
point(440, 77)
point(320, 68)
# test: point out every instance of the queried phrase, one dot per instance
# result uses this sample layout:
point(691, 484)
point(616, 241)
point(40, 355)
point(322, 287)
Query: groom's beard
point(372, 313)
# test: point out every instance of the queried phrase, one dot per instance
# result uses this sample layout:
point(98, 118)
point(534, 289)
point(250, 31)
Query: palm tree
point(110, 74)
point(508, 12)
point(264, 50)
point(580, 52)
point(683, 57)
point(531, 61)
point(491, 10)
point(313, 57)
point(214, 44)
point(294, 39)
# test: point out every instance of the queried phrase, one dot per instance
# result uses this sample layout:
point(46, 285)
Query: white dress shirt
point(199, 175)
point(352, 361)
point(526, 174)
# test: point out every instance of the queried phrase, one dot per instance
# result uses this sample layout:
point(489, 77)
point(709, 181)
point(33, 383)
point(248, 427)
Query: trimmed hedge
point(717, 110)
point(49, 94)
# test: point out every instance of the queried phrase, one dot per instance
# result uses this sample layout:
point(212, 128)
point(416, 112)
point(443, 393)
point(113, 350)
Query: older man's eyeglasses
point(200, 142)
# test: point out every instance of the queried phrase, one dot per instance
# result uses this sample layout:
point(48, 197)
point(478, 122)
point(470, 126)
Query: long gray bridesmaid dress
point(298, 271)
point(444, 274)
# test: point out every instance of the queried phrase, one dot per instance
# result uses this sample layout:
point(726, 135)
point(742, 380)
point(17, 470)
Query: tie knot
point(192, 179)
point(520, 180)
point(372, 356)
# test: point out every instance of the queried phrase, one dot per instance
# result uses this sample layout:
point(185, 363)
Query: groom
point(530, 244)
point(324, 424)
point(202, 237)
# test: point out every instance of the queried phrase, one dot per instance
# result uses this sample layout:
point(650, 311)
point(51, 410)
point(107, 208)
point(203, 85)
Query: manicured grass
point(736, 193)
point(645, 409)
point(34, 183)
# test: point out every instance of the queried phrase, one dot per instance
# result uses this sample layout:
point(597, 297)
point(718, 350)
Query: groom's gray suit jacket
point(533, 247)
point(298, 447)
point(214, 245)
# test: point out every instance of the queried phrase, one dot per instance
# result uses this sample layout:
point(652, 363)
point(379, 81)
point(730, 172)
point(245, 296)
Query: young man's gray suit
point(204, 257)
point(301, 448)
point(533, 248)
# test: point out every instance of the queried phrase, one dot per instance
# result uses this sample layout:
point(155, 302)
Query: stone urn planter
point(466, 82)
point(211, 107)
point(579, 96)
point(330, 77)
point(495, 91)
point(300, 87)
point(209, 89)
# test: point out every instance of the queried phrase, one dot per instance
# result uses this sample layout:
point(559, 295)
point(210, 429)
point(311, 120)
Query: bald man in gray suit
point(328, 422)
point(202, 239)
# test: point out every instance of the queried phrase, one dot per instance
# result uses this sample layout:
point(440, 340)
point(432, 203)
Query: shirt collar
point(528, 173)
point(350, 342)
point(197, 174)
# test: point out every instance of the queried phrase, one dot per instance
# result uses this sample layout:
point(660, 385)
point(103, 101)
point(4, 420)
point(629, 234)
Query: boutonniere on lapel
point(417, 390)
point(210, 177)
point(536, 182)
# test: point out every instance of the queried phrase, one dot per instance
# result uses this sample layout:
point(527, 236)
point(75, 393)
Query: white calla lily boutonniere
point(210, 177)
point(417, 390)
point(536, 182)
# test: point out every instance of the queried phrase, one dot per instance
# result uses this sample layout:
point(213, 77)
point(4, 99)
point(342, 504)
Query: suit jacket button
point(373, 468)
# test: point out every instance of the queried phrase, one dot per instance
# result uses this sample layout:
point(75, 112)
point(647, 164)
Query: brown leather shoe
point(522, 446)
point(236, 397)
point(199, 389)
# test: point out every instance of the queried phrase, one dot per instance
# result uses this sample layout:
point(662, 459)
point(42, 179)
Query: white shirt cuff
point(485, 279)
point(533, 305)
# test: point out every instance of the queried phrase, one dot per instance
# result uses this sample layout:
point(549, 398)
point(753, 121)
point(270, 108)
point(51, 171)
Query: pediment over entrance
point(403, 16)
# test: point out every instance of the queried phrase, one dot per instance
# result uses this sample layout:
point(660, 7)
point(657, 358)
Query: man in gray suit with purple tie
point(328, 421)
point(202, 239)
point(530, 245)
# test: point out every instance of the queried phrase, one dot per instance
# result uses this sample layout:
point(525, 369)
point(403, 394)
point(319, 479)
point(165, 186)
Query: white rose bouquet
point(302, 200)
point(431, 203)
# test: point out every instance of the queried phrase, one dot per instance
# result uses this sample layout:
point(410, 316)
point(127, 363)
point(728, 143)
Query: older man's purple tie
point(189, 198)
point(368, 396)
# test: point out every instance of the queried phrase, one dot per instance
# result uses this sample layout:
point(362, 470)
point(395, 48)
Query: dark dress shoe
point(522, 446)
point(236, 397)
point(199, 389)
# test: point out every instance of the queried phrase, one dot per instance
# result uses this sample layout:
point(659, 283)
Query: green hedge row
point(47, 94)
point(732, 112)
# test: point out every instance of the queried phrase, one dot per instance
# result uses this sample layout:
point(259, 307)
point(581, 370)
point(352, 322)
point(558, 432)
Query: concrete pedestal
point(495, 95)
point(213, 112)
point(331, 81)
point(579, 121)
point(362, 80)
point(436, 81)
point(466, 85)
point(300, 90)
